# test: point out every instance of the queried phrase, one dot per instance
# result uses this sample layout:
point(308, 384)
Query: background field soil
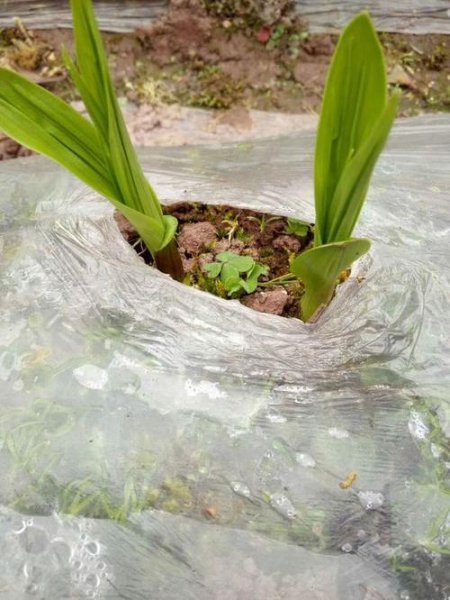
point(195, 58)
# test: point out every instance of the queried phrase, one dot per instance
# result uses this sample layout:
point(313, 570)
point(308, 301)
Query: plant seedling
point(355, 121)
point(237, 273)
point(99, 152)
point(263, 221)
point(297, 227)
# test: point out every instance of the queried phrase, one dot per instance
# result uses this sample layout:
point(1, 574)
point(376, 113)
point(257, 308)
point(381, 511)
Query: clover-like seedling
point(237, 273)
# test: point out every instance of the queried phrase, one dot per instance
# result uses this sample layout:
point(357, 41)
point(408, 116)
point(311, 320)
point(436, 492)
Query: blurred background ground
point(222, 70)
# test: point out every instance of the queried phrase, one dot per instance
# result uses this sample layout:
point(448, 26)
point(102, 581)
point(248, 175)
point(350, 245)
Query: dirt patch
point(205, 232)
point(239, 63)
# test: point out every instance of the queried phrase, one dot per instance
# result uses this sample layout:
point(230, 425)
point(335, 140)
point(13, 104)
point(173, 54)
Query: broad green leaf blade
point(354, 98)
point(152, 231)
point(170, 228)
point(213, 269)
point(352, 188)
point(59, 119)
point(92, 63)
point(98, 115)
point(319, 269)
point(229, 276)
point(44, 123)
point(241, 263)
point(297, 227)
point(94, 72)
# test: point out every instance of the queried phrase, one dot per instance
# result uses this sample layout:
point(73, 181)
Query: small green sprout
point(232, 227)
point(298, 228)
point(231, 268)
point(263, 221)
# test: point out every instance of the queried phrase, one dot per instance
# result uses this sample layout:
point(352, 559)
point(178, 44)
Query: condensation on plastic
point(414, 16)
point(233, 429)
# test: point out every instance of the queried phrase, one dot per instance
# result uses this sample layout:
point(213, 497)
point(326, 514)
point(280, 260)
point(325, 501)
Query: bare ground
point(189, 60)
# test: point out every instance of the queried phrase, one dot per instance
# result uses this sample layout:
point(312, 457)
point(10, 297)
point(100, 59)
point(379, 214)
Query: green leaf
point(354, 101)
point(298, 228)
point(352, 188)
point(256, 271)
point(99, 153)
point(241, 263)
point(229, 276)
point(41, 121)
point(234, 289)
point(96, 85)
point(213, 269)
point(248, 286)
point(319, 269)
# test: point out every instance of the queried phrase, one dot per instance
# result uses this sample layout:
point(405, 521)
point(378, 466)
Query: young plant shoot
point(100, 152)
point(355, 121)
point(237, 273)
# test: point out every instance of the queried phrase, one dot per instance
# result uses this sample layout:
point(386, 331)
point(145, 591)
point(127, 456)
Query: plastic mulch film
point(414, 16)
point(113, 15)
point(157, 441)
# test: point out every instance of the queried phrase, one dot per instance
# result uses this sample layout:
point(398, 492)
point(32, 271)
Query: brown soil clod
point(270, 301)
point(202, 235)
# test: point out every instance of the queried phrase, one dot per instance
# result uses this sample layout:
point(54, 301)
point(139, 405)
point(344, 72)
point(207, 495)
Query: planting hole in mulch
point(205, 232)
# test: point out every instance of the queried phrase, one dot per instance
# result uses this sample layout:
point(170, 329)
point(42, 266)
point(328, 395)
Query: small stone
point(195, 237)
point(205, 259)
point(227, 246)
point(272, 301)
point(398, 76)
point(188, 264)
point(237, 117)
point(287, 242)
point(125, 227)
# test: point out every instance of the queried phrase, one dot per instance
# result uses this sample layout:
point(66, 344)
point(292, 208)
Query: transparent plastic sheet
point(156, 441)
point(414, 16)
point(113, 15)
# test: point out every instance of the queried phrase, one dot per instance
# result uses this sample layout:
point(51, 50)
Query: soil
point(196, 58)
point(204, 231)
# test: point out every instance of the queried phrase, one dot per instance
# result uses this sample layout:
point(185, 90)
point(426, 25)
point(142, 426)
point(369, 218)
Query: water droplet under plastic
point(92, 548)
point(283, 505)
point(91, 377)
point(417, 427)
point(240, 489)
point(339, 434)
point(305, 460)
point(371, 500)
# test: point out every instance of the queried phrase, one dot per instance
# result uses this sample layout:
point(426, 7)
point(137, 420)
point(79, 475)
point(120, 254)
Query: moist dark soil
point(193, 57)
point(204, 231)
